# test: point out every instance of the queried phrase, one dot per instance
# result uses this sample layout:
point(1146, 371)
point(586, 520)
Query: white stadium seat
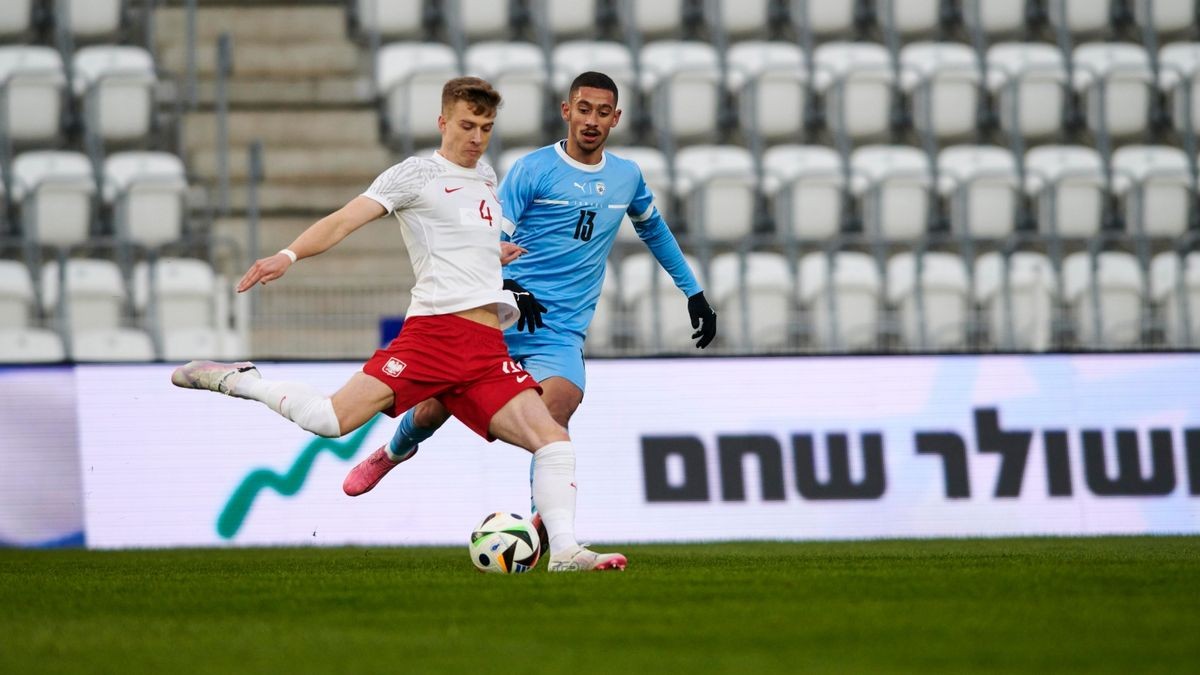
point(30, 345)
point(1155, 185)
point(95, 293)
point(179, 344)
point(680, 80)
point(1027, 82)
point(1020, 315)
point(16, 294)
point(518, 71)
point(32, 80)
point(892, 183)
point(1121, 74)
point(653, 18)
point(111, 344)
point(483, 19)
point(769, 81)
point(762, 320)
point(943, 81)
point(391, 18)
point(567, 18)
point(16, 17)
point(980, 184)
point(146, 191)
point(741, 18)
point(932, 295)
point(657, 308)
point(1179, 71)
point(824, 18)
point(92, 19)
point(1080, 17)
point(994, 17)
point(1166, 16)
point(614, 59)
point(716, 188)
point(842, 300)
point(116, 87)
point(805, 184)
point(54, 189)
point(409, 77)
point(657, 175)
point(1067, 184)
point(856, 81)
point(176, 293)
point(1170, 286)
point(1114, 305)
point(908, 17)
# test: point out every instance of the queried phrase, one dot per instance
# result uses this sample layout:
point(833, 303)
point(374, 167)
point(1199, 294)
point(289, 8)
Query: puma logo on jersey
point(582, 188)
point(449, 190)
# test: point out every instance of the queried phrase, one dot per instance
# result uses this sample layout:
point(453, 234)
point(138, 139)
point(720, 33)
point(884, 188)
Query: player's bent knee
point(430, 414)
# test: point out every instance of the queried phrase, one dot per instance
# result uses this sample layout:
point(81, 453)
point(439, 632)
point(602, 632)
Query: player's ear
point(566, 110)
point(442, 123)
point(616, 118)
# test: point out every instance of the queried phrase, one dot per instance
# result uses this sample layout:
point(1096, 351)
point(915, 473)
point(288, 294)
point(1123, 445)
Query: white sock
point(554, 493)
point(300, 403)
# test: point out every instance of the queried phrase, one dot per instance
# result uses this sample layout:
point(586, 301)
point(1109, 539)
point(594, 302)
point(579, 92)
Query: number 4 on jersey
point(585, 224)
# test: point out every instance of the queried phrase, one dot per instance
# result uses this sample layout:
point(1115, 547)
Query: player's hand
point(510, 252)
point(531, 309)
point(264, 270)
point(704, 320)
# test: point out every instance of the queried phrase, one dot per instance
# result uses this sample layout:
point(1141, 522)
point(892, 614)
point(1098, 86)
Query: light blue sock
point(408, 435)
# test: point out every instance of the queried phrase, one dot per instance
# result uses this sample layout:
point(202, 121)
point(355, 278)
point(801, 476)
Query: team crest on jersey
point(600, 188)
point(394, 367)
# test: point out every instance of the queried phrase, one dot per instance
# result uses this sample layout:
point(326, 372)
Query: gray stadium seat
point(115, 84)
point(1175, 288)
point(54, 189)
point(762, 319)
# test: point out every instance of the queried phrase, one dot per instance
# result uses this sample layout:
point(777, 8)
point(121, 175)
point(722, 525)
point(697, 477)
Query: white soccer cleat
point(584, 560)
point(213, 376)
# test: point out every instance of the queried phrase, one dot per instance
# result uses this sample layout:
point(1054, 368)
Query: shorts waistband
point(457, 322)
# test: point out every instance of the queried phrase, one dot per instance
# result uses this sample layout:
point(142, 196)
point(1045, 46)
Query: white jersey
point(450, 218)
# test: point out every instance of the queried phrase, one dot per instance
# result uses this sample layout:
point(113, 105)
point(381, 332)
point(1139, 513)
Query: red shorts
point(461, 363)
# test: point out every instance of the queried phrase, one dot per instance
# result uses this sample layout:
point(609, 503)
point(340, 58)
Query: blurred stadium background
point(847, 175)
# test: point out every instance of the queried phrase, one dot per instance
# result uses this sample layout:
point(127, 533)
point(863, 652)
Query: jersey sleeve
point(653, 230)
point(398, 187)
point(517, 192)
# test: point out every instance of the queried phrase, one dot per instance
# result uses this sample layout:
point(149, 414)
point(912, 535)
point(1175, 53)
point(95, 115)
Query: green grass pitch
point(1102, 605)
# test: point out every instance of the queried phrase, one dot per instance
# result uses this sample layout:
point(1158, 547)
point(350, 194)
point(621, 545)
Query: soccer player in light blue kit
point(562, 207)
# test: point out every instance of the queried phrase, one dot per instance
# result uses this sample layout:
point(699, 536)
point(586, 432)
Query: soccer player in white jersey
point(563, 205)
point(451, 348)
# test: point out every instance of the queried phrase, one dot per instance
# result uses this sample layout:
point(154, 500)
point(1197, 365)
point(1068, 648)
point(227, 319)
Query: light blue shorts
point(545, 354)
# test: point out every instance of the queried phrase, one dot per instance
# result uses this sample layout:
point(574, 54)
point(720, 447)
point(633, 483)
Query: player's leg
point(524, 421)
point(355, 403)
point(417, 425)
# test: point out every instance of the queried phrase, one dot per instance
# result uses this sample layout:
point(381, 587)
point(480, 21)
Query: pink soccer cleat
point(584, 560)
point(370, 471)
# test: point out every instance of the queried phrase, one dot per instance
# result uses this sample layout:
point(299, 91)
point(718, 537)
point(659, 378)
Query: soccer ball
point(504, 543)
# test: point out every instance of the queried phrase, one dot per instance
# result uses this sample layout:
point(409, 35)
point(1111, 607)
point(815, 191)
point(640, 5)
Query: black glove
point(531, 309)
point(704, 319)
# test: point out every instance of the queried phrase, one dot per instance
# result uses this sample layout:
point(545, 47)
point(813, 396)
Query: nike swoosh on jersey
point(449, 190)
point(522, 378)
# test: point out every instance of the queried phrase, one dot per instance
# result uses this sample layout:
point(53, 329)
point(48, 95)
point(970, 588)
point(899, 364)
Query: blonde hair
point(477, 92)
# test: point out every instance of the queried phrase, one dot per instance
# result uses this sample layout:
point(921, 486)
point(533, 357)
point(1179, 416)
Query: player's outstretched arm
point(318, 238)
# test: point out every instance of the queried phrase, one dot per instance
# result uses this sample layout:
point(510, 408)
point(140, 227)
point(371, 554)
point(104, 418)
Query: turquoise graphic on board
point(233, 516)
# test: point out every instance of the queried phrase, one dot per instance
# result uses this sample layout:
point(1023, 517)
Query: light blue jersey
point(567, 214)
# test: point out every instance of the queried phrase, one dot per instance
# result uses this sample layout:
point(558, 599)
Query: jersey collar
point(440, 159)
point(590, 168)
